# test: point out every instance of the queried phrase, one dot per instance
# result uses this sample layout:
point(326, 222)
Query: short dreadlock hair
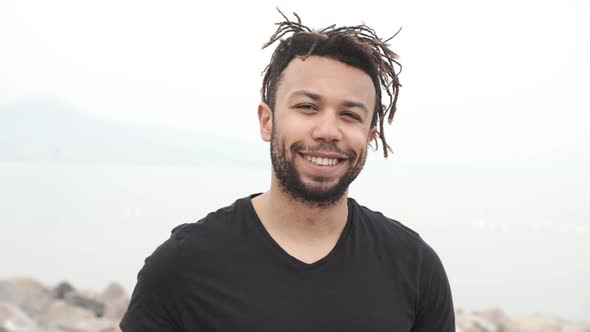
point(358, 46)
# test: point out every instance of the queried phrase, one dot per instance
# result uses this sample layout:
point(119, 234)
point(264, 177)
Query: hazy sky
point(492, 132)
point(501, 80)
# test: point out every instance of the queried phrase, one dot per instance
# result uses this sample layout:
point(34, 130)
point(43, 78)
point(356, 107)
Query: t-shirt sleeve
point(155, 304)
point(435, 303)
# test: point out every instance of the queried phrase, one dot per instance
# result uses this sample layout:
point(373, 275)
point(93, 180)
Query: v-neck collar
point(284, 255)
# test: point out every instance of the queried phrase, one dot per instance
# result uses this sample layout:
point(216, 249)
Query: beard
point(318, 195)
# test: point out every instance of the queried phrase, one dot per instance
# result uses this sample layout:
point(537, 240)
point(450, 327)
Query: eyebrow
point(317, 97)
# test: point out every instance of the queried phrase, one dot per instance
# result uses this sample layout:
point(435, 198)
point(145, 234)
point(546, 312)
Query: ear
point(372, 134)
point(265, 121)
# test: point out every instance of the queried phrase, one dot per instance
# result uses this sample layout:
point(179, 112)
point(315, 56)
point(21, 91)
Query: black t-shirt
point(226, 273)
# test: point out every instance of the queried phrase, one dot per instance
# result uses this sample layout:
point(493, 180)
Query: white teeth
point(322, 161)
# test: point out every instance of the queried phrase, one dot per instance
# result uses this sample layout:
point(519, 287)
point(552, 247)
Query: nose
point(327, 128)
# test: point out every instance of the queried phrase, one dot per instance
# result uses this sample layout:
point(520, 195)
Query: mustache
point(322, 147)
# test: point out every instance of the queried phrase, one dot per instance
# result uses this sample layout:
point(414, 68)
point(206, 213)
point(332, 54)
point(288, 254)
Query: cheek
point(360, 140)
point(294, 131)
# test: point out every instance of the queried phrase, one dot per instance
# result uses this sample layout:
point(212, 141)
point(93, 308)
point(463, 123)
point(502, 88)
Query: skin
point(324, 109)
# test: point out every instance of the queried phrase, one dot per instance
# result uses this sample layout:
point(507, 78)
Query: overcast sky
point(501, 80)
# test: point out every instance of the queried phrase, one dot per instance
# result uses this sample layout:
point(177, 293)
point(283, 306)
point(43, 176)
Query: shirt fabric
point(226, 273)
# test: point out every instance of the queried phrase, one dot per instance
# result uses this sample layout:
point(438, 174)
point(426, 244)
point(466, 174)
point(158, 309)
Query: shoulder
point(395, 237)
point(158, 300)
point(210, 234)
point(378, 225)
point(214, 223)
point(187, 243)
point(434, 305)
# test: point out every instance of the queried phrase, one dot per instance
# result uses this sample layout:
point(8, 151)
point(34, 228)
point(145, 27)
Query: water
point(505, 239)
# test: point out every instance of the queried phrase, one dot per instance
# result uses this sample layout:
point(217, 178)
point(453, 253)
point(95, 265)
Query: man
point(302, 256)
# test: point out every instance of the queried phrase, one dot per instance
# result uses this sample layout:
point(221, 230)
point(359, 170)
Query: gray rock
point(532, 323)
point(493, 315)
point(26, 293)
point(115, 300)
point(575, 327)
point(13, 319)
point(60, 314)
point(65, 291)
point(77, 300)
point(113, 291)
point(62, 289)
point(471, 322)
point(91, 325)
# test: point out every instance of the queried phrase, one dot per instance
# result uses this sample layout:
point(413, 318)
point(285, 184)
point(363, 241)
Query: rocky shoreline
point(495, 320)
point(26, 305)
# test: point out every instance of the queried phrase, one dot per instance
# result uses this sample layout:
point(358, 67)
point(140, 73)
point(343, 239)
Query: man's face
point(320, 128)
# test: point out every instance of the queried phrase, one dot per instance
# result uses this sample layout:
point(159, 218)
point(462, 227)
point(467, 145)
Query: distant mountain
point(50, 130)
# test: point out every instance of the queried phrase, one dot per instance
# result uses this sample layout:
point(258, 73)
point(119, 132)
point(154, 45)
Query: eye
point(306, 107)
point(351, 116)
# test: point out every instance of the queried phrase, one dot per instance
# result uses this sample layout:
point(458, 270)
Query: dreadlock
point(358, 46)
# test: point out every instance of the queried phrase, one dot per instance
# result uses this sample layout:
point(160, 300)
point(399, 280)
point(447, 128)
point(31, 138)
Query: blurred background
point(122, 119)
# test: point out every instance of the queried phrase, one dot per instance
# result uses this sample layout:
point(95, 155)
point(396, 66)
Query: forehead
point(327, 77)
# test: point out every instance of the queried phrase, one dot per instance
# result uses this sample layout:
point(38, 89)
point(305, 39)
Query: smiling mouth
point(322, 161)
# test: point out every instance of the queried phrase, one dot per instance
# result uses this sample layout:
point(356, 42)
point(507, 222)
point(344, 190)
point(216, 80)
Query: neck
point(300, 221)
